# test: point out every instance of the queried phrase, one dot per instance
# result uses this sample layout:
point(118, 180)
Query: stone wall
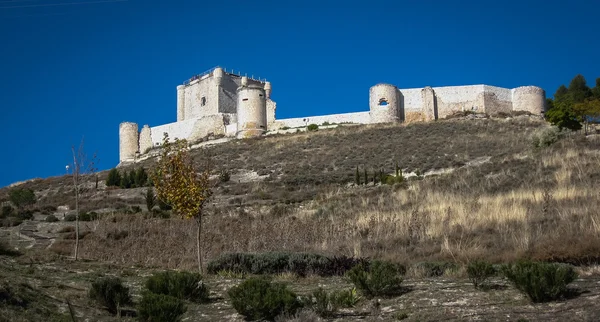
point(531, 99)
point(359, 118)
point(128, 141)
point(497, 100)
point(201, 98)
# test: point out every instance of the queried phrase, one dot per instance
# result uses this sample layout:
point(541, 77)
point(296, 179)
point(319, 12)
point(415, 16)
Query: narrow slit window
point(245, 99)
point(203, 101)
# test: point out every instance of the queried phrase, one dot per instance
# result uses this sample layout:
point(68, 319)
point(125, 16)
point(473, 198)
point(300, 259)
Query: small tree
point(150, 198)
point(81, 167)
point(357, 177)
point(114, 178)
point(21, 197)
point(178, 184)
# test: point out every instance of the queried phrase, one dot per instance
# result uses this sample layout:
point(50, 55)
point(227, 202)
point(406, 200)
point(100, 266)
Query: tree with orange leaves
point(178, 184)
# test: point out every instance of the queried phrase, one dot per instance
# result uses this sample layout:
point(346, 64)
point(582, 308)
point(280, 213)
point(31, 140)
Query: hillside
point(474, 189)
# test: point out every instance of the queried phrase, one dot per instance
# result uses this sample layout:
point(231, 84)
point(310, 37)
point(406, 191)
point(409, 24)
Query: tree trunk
point(198, 243)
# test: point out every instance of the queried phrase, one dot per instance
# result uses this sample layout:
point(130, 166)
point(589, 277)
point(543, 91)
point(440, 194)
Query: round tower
point(251, 111)
point(384, 103)
point(128, 141)
point(145, 139)
point(531, 99)
point(268, 89)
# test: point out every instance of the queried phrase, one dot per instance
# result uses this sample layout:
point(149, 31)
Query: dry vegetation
point(486, 194)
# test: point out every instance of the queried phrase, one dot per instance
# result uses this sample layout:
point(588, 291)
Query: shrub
point(224, 176)
point(51, 218)
point(25, 214)
point(300, 264)
point(160, 308)
point(321, 302)
point(377, 279)
point(6, 250)
point(136, 209)
point(542, 282)
point(150, 199)
point(70, 217)
point(545, 137)
point(21, 197)
point(7, 211)
point(259, 299)
point(182, 285)
point(479, 272)
point(114, 178)
point(312, 127)
point(87, 216)
point(346, 298)
point(110, 293)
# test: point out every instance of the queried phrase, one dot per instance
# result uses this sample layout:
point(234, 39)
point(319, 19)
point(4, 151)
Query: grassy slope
point(502, 200)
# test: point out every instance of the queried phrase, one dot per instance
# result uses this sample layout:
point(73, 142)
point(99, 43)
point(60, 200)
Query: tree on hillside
point(562, 111)
point(587, 111)
point(596, 90)
point(114, 178)
point(21, 197)
point(81, 168)
point(179, 184)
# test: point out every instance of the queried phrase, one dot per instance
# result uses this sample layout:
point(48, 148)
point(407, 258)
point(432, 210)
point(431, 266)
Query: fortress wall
point(193, 94)
point(145, 139)
point(271, 107)
point(228, 94)
point(452, 99)
point(194, 129)
point(358, 117)
point(497, 99)
point(531, 99)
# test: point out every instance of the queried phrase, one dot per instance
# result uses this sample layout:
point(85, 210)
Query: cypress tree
point(366, 176)
point(357, 177)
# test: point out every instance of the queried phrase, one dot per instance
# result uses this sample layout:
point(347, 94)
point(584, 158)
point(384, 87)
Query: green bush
point(6, 250)
point(110, 293)
point(114, 178)
point(542, 282)
point(301, 264)
point(160, 308)
point(260, 299)
point(377, 279)
point(150, 198)
point(25, 214)
point(224, 176)
point(182, 285)
point(7, 211)
point(51, 218)
point(87, 216)
point(327, 304)
point(21, 197)
point(70, 217)
point(322, 303)
point(312, 127)
point(479, 272)
point(545, 137)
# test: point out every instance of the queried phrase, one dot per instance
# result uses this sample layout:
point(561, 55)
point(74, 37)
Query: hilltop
point(479, 188)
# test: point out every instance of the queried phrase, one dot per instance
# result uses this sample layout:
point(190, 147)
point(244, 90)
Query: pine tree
point(366, 176)
point(578, 89)
point(114, 178)
point(357, 177)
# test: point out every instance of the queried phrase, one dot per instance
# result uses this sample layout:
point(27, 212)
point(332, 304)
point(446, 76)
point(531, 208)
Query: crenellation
point(219, 103)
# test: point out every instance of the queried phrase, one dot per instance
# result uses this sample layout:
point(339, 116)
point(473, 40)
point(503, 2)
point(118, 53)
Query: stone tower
point(251, 110)
point(384, 103)
point(128, 141)
point(531, 99)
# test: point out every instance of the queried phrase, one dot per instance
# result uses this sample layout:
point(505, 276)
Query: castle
point(218, 103)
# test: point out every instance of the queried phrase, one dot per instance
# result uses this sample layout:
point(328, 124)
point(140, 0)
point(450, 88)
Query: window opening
point(383, 102)
point(203, 101)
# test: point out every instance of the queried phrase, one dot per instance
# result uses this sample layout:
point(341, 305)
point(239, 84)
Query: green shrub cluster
point(312, 127)
point(160, 308)
point(182, 285)
point(542, 282)
point(224, 176)
point(51, 218)
point(379, 278)
point(436, 269)
point(110, 293)
point(479, 272)
point(326, 304)
point(20, 197)
point(261, 299)
point(545, 137)
point(301, 264)
point(128, 179)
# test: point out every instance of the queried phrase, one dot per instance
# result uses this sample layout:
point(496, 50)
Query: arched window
point(383, 102)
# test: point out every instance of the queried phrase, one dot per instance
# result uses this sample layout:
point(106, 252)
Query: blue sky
point(73, 69)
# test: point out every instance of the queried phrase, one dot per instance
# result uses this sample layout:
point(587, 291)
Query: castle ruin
point(217, 103)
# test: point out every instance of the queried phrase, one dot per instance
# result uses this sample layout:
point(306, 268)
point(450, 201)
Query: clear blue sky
point(70, 70)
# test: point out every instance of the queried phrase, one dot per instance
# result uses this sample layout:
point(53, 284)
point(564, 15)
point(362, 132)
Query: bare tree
point(82, 167)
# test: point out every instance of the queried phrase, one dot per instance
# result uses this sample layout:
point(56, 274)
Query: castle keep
point(226, 104)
